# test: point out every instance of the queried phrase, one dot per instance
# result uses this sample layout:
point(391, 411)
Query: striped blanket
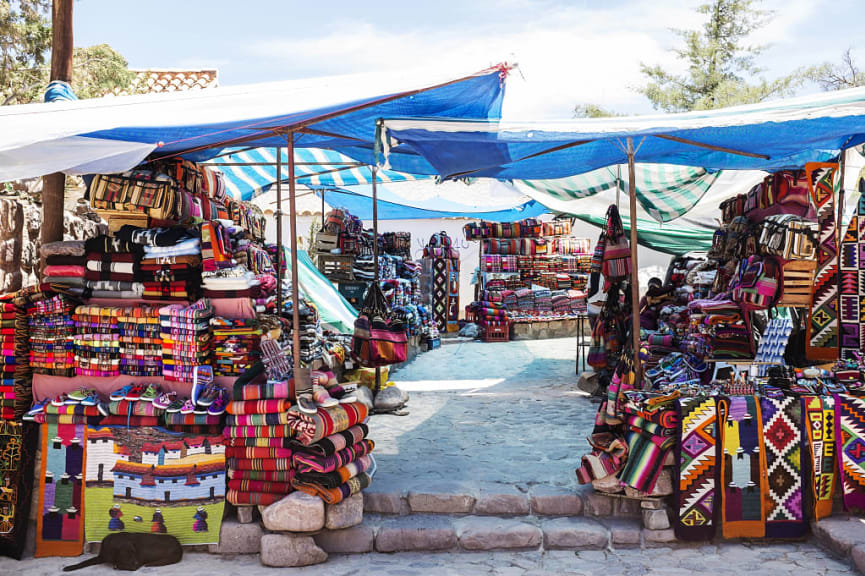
point(310, 429)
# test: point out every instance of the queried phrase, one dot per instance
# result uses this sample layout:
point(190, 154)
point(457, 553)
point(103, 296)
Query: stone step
point(436, 532)
point(540, 500)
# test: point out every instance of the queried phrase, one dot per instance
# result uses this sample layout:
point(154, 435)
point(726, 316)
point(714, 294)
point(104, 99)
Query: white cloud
point(567, 54)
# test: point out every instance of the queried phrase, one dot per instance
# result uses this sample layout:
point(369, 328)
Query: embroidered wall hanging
point(144, 479)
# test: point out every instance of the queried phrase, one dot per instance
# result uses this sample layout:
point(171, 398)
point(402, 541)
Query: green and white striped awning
point(665, 191)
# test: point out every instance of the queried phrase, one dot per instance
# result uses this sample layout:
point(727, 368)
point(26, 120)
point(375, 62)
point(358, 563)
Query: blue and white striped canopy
point(313, 166)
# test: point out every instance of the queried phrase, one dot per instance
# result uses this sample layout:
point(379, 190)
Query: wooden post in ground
point(635, 268)
point(54, 185)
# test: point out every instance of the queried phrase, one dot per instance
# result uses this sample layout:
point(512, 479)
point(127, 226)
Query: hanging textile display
point(822, 327)
point(145, 479)
point(851, 286)
point(743, 468)
point(60, 520)
point(17, 449)
point(819, 421)
point(441, 276)
point(850, 437)
point(782, 436)
point(697, 462)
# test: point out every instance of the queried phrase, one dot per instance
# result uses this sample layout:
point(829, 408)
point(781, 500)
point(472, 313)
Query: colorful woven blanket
point(263, 475)
point(340, 476)
point(257, 452)
point(258, 464)
point(646, 454)
point(260, 486)
point(239, 498)
point(327, 421)
point(259, 442)
point(743, 468)
point(335, 495)
point(696, 489)
point(304, 462)
point(17, 450)
point(335, 442)
point(258, 431)
point(850, 439)
point(60, 519)
point(782, 437)
point(819, 423)
point(258, 406)
point(272, 419)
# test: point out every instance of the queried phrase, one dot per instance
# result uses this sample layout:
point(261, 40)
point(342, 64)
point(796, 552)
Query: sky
point(569, 52)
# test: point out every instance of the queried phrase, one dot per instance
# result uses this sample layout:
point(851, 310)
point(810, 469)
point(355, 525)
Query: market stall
point(707, 397)
point(170, 364)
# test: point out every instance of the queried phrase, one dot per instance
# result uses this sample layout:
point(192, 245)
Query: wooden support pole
point(302, 380)
point(54, 185)
point(279, 244)
point(635, 267)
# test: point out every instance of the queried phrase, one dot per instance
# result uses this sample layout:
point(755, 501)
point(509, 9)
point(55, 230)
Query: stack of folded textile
point(7, 360)
point(185, 339)
point(216, 249)
point(578, 301)
point(335, 467)
point(364, 268)
point(235, 282)
point(170, 264)
point(310, 333)
point(112, 268)
point(525, 299)
point(140, 341)
point(52, 332)
point(235, 345)
point(509, 298)
point(543, 299)
point(97, 341)
point(64, 263)
point(330, 451)
point(258, 457)
point(561, 302)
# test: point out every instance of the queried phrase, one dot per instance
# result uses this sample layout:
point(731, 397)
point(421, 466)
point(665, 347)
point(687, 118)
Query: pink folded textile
point(258, 406)
point(64, 270)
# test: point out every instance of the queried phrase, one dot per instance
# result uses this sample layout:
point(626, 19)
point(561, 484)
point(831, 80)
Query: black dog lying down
point(130, 551)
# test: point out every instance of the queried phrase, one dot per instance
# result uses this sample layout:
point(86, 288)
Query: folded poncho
point(262, 475)
point(63, 248)
point(334, 495)
point(340, 476)
point(258, 406)
point(258, 463)
point(310, 429)
point(189, 247)
point(305, 462)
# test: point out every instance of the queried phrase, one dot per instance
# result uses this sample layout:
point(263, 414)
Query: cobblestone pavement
point(721, 560)
point(485, 415)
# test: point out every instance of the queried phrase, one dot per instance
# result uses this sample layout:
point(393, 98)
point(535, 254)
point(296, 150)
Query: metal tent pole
point(374, 169)
point(635, 278)
point(302, 382)
point(278, 215)
point(839, 230)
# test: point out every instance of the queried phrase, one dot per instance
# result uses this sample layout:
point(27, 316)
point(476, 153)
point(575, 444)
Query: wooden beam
point(635, 269)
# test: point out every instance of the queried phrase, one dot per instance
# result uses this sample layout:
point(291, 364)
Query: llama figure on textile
point(116, 524)
point(200, 524)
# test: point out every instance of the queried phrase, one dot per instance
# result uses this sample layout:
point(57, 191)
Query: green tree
point(25, 39)
point(721, 64)
point(847, 74)
point(25, 46)
point(593, 111)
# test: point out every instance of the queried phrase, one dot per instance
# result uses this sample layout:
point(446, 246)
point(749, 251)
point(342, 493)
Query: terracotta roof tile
point(158, 81)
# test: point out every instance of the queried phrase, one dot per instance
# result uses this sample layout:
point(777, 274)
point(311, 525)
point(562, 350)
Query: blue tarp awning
point(114, 134)
point(766, 136)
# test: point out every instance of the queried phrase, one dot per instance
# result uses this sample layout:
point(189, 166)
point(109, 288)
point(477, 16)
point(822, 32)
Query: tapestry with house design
point(141, 479)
